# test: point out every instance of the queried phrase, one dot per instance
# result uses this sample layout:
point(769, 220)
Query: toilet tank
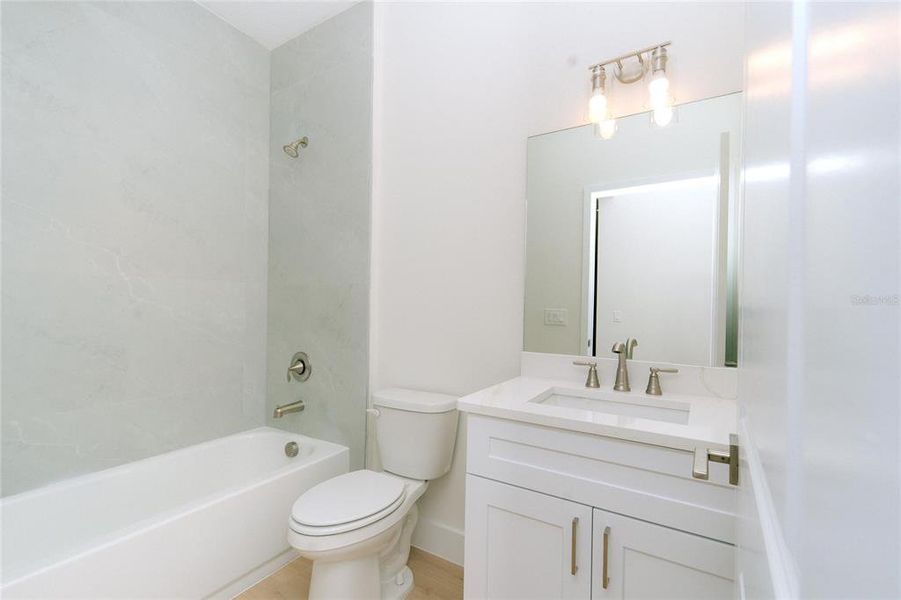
point(415, 432)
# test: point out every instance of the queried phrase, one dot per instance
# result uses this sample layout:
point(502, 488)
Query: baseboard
point(439, 539)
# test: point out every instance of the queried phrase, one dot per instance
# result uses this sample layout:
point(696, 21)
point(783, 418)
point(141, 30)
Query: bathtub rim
point(109, 471)
point(140, 526)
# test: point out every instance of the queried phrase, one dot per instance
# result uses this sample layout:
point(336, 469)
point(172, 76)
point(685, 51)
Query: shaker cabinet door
point(522, 544)
point(646, 561)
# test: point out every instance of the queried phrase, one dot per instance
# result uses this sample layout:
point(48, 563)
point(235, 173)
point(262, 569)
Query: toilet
point(356, 527)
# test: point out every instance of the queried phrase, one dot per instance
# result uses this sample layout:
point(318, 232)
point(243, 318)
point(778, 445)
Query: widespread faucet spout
point(623, 352)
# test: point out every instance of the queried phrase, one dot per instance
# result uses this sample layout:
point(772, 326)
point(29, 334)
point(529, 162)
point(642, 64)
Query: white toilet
point(356, 528)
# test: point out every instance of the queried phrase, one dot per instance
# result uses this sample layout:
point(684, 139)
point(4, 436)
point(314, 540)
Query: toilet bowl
point(357, 527)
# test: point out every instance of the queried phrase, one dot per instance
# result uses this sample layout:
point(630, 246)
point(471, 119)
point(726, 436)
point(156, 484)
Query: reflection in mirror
point(637, 236)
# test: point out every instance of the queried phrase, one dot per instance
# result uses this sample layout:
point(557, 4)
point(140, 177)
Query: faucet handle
point(592, 381)
point(299, 369)
point(653, 388)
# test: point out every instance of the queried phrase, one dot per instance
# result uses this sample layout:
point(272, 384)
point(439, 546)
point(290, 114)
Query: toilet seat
point(347, 503)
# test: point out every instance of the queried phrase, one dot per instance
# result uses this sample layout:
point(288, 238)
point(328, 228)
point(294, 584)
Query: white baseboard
point(439, 539)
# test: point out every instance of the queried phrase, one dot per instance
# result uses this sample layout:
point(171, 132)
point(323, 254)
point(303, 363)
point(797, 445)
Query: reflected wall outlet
point(617, 316)
point(555, 316)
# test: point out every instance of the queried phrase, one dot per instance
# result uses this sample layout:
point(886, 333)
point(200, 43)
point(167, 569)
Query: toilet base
point(376, 569)
point(356, 579)
point(399, 587)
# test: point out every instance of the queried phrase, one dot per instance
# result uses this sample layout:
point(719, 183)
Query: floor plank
point(434, 579)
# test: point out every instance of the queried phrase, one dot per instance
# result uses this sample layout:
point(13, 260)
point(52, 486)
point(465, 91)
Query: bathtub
point(204, 521)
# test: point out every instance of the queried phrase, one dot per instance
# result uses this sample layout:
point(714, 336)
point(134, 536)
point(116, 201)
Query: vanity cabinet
point(540, 500)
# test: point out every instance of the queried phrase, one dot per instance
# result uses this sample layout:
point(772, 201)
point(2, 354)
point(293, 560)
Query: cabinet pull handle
point(573, 567)
point(700, 470)
point(604, 579)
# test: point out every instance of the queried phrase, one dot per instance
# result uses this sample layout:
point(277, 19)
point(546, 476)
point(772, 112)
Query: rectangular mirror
point(637, 236)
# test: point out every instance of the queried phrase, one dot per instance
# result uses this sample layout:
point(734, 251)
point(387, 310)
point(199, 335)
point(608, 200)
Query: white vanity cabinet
point(539, 501)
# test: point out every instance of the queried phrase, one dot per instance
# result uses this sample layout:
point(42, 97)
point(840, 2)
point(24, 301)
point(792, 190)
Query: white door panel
point(519, 544)
point(648, 562)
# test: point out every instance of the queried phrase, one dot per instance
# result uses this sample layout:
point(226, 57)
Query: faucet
point(592, 381)
point(281, 411)
point(653, 388)
point(622, 373)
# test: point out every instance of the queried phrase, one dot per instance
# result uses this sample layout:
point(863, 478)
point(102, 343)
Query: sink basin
point(638, 406)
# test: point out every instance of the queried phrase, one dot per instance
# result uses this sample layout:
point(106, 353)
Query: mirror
point(636, 236)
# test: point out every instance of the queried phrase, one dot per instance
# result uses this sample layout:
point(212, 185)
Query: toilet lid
point(347, 498)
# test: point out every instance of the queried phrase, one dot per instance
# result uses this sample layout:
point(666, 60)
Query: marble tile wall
point(134, 233)
point(319, 227)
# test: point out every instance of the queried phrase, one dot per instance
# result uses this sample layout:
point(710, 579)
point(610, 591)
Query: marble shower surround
point(134, 234)
point(319, 227)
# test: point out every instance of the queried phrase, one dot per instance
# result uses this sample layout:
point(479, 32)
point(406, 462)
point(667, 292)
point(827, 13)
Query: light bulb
point(605, 129)
point(597, 103)
point(659, 97)
point(597, 107)
point(663, 115)
point(658, 90)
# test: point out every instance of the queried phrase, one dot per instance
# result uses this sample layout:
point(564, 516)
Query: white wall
point(656, 265)
point(819, 383)
point(459, 88)
point(134, 234)
point(319, 207)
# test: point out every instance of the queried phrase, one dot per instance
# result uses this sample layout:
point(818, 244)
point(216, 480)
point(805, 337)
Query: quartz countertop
point(708, 421)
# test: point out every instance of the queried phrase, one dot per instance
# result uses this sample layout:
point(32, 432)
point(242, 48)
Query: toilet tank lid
point(414, 400)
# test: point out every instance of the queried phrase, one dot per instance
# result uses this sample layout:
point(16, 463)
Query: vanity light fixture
point(661, 100)
point(598, 104)
point(652, 58)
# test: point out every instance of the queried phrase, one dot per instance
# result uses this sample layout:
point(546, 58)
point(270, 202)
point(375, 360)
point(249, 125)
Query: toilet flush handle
point(374, 412)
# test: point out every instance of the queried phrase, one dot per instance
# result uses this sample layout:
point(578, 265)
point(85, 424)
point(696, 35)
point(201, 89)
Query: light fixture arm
point(642, 69)
point(635, 53)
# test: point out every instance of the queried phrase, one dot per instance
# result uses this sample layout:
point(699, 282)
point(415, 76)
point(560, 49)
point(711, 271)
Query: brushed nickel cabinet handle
point(604, 579)
point(573, 567)
point(700, 469)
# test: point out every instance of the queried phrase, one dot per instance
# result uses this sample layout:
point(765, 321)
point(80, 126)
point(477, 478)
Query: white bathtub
point(204, 521)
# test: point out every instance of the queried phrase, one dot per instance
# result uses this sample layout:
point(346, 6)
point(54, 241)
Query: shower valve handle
point(300, 367)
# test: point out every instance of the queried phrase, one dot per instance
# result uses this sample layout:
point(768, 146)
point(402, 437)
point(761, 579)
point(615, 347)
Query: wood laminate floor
point(433, 578)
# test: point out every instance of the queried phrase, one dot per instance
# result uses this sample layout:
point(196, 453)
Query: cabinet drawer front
point(647, 482)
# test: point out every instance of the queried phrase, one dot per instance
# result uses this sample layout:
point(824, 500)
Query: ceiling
point(272, 23)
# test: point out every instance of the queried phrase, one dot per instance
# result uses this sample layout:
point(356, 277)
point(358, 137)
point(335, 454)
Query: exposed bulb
point(597, 107)
point(605, 129)
point(660, 100)
point(663, 115)
point(658, 90)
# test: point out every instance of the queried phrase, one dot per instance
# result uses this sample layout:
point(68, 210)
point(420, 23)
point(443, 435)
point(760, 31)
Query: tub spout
point(281, 411)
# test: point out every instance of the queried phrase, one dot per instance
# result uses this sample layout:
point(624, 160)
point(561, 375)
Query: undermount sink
point(617, 403)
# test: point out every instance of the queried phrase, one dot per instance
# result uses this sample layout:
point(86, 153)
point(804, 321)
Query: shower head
point(292, 148)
